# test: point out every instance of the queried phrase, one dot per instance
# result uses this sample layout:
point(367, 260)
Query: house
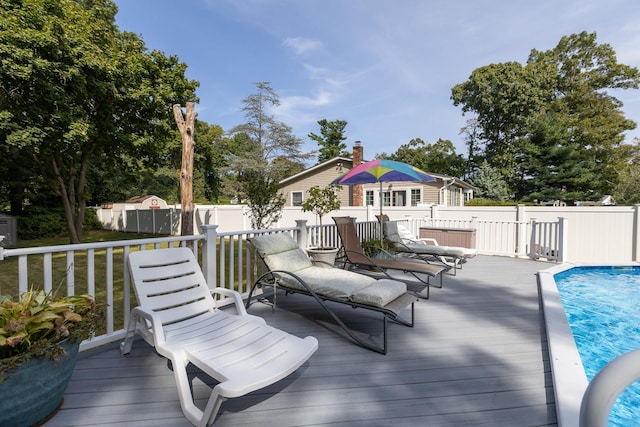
point(445, 190)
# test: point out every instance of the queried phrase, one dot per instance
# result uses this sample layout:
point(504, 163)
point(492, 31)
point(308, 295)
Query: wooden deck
point(477, 356)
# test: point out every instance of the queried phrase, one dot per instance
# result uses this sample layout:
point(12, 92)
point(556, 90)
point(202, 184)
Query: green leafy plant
point(321, 201)
point(35, 325)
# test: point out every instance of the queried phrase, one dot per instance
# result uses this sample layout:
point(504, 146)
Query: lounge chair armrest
point(235, 296)
point(154, 320)
point(371, 261)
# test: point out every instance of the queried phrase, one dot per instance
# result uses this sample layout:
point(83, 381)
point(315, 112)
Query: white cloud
point(301, 45)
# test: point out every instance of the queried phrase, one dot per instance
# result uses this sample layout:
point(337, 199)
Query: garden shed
point(8, 229)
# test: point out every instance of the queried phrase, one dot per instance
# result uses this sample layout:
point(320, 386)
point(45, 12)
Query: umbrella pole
point(380, 220)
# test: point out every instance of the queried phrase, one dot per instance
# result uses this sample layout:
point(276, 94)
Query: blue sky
point(385, 66)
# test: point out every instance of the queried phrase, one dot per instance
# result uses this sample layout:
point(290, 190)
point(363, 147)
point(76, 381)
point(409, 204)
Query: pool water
point(603, 309)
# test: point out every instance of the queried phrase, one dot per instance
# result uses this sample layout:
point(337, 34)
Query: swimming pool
point(594, 307)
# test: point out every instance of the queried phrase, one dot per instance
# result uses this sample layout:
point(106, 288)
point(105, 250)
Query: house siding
point(321, 178)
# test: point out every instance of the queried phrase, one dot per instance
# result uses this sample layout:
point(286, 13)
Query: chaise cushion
point(281, 252)
point(330, 282)
point(380, 293)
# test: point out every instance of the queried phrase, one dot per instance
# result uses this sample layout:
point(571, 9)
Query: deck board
point(476, 356)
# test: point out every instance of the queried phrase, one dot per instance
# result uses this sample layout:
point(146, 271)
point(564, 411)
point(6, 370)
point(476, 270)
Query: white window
point(369, 198)
point(386, 198)
point(416, 196)
point(296, 198)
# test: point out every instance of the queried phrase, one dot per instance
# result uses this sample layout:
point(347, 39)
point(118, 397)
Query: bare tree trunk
point(186, 125)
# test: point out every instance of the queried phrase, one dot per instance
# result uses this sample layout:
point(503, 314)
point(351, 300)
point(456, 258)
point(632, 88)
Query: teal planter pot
point(35, 389)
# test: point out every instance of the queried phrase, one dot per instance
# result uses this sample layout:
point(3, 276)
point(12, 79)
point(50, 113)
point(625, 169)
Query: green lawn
point(9, 268)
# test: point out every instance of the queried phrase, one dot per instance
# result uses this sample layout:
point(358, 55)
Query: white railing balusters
point(109, 289)
point(71, 273)
point(47, 266)
point(91, 272)
point(227, 260)
point(23, 277)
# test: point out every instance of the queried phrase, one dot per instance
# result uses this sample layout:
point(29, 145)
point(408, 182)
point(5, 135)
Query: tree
point(186, 124)
point(321, 201)
point(439, 157)
point(209, 162)
point(489, 183)
point(257, 144)
point(331, 140)
point(474, 152)
point(626, 192)
point(553, 164)
point(570, 81)
point(76, 92)
point(503, 96)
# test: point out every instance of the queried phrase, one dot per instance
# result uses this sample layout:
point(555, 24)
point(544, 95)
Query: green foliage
point(439, 157)
point(489, 183)
point(91, 221)
point(481, 201)
point(321, 201)
point(264, 199)
point(373, 247)
point(573, 82)
point(253, 167)
point(33, 326)
point(627, 191)
point(77, 93)
point(38, 222)
point(556, 167)
point(331, 140)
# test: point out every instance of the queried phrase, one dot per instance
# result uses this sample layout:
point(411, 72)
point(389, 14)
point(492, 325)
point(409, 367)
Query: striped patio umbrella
point(381, 170)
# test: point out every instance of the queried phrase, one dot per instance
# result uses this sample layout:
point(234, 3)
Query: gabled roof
point(138, 199)
point(312, 169)
point(458, 181)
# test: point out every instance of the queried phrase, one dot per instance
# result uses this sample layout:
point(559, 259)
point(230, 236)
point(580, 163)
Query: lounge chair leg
point(212, 408)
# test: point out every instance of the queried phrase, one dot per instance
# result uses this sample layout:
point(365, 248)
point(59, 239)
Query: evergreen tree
point(489, 183)
point(257, 144)
point(331, 140)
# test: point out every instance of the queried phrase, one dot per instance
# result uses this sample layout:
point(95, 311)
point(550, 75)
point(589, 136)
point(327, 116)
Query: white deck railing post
point(302, 237)
point(563, 239)
point(635, 238)
point(521, 231)
point(533, 251)
point(210, 253)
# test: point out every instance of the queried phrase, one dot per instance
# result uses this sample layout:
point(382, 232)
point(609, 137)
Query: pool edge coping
point(567, 371)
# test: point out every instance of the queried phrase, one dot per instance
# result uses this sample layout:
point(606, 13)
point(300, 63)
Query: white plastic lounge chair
point(177, 314)
point(355, 257)
point(405, 243)
point(291, 270)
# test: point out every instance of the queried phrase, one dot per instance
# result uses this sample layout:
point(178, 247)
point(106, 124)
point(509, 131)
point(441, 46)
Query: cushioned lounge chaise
point(405, 243)
point(355, 257)
point(291, 270)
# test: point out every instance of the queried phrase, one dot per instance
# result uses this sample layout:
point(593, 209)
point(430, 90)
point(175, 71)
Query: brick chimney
point(356, 194)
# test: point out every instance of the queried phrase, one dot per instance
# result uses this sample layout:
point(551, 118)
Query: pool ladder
point(606, 386)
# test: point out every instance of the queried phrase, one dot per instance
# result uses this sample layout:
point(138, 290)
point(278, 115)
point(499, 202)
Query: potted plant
point(321, 201)
point(39, 339)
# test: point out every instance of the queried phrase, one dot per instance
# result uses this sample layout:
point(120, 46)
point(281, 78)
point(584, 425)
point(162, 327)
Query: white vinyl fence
point(589, 233)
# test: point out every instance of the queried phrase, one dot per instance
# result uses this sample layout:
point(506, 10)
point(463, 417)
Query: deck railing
point(530, 239)
point(100, 269)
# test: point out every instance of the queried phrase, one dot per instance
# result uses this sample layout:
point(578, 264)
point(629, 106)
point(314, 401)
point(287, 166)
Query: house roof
point(313, 169)
point(138, 199)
